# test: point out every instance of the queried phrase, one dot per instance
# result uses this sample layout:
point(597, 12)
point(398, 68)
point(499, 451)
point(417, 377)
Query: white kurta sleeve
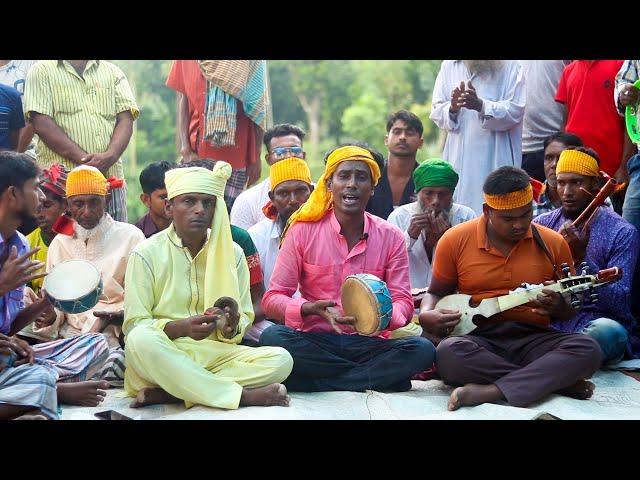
point(441, 100)
point(505, 114)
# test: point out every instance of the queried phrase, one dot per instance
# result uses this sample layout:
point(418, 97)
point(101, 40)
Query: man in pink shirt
point(329, 238)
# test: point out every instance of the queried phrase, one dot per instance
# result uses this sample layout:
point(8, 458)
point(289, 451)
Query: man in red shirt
point(586, 87)
point(187, 80)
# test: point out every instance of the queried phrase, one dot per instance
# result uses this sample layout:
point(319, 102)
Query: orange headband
point(510, 200)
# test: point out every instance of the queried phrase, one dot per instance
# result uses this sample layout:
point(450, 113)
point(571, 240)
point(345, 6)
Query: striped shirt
point(84, 106)
point(628, 74)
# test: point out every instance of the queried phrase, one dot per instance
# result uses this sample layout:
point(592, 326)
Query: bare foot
point(582, 390)
point(274, 394)
point(31, 417)
point(153, 396)
point(473, 394)
point(85, 394)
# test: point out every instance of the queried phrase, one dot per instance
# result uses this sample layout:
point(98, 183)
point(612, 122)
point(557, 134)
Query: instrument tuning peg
point(566, 270)
point(575, 302)
point(584, 266)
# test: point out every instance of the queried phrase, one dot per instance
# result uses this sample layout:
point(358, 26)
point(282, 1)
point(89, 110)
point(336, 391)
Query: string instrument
point(607, 189)
point(569, 287)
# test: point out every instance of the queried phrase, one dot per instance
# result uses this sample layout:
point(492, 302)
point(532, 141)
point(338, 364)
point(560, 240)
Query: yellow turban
point(510, 200)
point(320, 200)
point(221, 277)
point(86, 180)
point(289, 169)
point(575, 161)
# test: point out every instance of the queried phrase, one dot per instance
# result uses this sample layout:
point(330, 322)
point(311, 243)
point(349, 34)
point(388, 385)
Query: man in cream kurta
point(480, 104)
point(178, 347)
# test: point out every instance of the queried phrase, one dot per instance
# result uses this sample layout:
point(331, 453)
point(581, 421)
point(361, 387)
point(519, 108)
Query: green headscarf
point(435, 172)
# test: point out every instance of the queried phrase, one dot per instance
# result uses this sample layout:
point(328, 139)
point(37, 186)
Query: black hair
point(152, 176)
point(200, 162)
point(16, 169)
point(505, 180)
point(407, 117)
point(377, 156)
point(566, 138)
point(282, 130)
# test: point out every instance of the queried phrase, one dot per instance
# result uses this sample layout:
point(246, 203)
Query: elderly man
point(513, 355)
point(281, 142)
point(72, 362)
point(331, 237)
point(179, 346)
point(480, 104)
point(83, 113)
point(607, 240)
point(423, 222)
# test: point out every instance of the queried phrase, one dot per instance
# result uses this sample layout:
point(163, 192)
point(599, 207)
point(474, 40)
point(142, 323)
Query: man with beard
point(290, 181)
point(423, 222)
point(607, 240)
point(513, 355)
point(72, 362)
point(395, 188)
point(480, 104)
point(328, 238)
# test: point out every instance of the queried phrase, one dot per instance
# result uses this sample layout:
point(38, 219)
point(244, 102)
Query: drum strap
point(540, 242)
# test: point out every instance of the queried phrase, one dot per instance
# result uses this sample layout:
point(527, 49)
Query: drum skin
point(88, 288)
point(367, 298)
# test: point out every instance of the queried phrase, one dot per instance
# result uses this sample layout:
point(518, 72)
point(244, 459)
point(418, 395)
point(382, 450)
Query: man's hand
point(456, 98)
point(11, 348)
point(19, 270)
point(253, 172)
point(438, 224)
point(48, 316)
point(102, 161)
point(629, 95)
point(27, 352)
point(470, 98)
point(188, 155)
point(326, 310)
point(197, 327)
point(229, 319)
point(111, 317)
point(439, 321)
point(418, 223)
point(552, 304)
point(577, 241)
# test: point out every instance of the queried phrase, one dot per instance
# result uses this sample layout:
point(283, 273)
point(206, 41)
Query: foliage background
point(332, 100)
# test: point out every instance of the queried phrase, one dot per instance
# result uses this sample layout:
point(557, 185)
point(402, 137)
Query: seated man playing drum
point(514, 355)
point(329, 238)
point(606, 240)
point(423, 222)
point(180, 345)
point(72, 362)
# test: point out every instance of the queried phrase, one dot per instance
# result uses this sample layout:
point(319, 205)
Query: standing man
point(480, 103)
point(13, 73)
point(395, 188)
point(425, 221)
point(83, 113)
point(281, 142)
point(11, 118)
point(543, 115)
point(224, 108)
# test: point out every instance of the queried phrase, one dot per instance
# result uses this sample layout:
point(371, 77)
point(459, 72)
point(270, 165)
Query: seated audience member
point(153, 196)
point(423, 222)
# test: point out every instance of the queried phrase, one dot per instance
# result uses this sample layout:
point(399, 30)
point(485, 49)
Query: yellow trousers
point(204, 372)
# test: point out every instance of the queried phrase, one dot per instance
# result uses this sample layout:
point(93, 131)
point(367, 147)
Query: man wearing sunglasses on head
point(282, 141)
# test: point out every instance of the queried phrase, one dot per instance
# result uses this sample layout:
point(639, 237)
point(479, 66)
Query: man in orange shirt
point(243, 153)
point(515, 355)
